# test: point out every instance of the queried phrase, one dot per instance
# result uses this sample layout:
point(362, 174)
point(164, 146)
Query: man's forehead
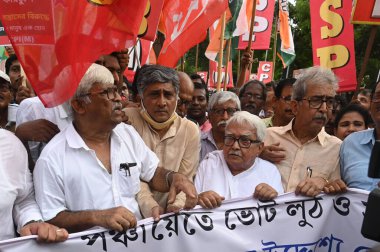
point(241, 129)
point(226, 104)
point(320, 90)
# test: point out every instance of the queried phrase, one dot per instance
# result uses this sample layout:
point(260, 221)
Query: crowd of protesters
point(117, 152)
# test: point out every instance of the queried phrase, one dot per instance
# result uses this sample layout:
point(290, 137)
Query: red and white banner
point(288, 223)
point(56, 41)
point(4, 40)
point(185, 24)
point(333, 40)
point(213, 80)
point(265, 71)
point(366, 12)
point(263, 27)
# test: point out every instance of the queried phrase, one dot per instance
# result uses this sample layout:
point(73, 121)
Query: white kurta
point(69, 176)
point(16, 187)
point(214, 174)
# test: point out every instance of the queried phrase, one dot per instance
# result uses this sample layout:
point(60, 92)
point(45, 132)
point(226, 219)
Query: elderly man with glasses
point(237, 171)
point(221, 107)
point(311, 156)
point(89, 174)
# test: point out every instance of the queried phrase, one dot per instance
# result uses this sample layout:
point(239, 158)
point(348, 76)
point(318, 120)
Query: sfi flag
point(57, 40)
point(185, 24)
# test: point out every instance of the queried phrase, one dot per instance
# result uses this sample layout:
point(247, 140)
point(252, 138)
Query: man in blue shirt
point(356, 150)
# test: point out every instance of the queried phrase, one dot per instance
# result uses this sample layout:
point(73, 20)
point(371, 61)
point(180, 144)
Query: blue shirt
point(355, 153)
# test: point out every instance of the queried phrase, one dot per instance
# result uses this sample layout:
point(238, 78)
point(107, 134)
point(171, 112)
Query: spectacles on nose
point(230, 111)
point(286, 99)
point(243, 141)
point(316, 102)
point(110, 92)
point(183, 102)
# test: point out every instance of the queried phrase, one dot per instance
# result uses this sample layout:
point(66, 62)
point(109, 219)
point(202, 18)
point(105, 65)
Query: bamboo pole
point(238, 61)
point(368, 50)
point(220, 61)
point(196, 57)
point(226, 66)
point(241, 78)
point(275, 48)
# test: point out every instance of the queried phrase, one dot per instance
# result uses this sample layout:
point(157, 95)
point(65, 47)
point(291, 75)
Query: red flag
point(185, 24)
point(333, 40)
point(56, 41)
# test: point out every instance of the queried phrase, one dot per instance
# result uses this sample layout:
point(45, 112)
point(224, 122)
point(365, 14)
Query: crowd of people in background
point(117, 152)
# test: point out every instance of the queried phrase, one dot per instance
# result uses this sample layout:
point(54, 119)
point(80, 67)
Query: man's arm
point(118, 218)
point(174, 182)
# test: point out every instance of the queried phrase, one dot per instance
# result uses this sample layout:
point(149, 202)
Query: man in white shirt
point(18, 207)
point(237, 171)
point(89, 174)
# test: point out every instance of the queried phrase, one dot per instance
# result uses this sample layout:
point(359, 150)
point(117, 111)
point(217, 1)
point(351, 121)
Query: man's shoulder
point(189, 125)
point(355, 137)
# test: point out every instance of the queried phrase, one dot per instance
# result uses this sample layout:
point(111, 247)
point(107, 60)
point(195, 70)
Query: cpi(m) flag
point(57, 40)
point(286, 53)
point(185, 24)
point(333, 40)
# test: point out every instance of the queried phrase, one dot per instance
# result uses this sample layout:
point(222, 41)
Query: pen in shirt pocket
point(309, 172)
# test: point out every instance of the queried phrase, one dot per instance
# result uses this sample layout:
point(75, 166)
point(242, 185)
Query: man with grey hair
point(89, 174)
point(175, 140)
point(221, 107)
point(237, 171)
point(311, 155)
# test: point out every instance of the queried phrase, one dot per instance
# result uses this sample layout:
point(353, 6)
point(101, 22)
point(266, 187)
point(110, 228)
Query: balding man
point(185, 95)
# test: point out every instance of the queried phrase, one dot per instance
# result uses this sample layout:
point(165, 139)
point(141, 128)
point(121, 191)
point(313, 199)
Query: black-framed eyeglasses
point(286, 99)
point(181, 102)
point(243, 141)
point(255, 96)
point(316, 102)
point(230, 111)
point(110, 92)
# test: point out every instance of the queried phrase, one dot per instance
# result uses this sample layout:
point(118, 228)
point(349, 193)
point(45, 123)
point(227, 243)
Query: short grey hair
point(150, 74)
point(222, 97)
point(244, 117)
point(95, 74)
point(312, 76)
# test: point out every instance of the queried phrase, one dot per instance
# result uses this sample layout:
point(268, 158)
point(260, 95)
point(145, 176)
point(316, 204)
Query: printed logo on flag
point(101, 2)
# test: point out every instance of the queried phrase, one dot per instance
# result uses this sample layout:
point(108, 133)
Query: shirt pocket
point(129, 181)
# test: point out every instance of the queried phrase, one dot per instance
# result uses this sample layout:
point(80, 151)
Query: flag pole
point(196, 57)
point(275, 47)
point(226, 66)
point(243, 70)
point(368, 50)
point(220, 61)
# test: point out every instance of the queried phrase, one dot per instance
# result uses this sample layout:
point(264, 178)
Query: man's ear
point(78, 106)
point(261, 147)
point(294, 105)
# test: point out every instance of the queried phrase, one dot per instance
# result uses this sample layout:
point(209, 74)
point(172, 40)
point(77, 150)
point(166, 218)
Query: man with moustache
point(175, 140)
point(198, 107)
point(221, 107)
point(283, 113)
point(252, 97)
point(89, 174)
point(311, 155)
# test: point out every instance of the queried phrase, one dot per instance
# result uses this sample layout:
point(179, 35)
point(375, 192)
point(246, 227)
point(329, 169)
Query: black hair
point(198, 85)
point(9, 62)
point(352, 108)
point(251, 83)
point(195, 76)
point(281, 84)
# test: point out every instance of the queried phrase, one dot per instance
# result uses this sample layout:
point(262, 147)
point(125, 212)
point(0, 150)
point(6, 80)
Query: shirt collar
point(208, 136)
point(368, 137)
point(289, 128)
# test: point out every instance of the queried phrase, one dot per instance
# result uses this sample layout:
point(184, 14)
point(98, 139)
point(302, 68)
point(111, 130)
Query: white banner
point(290, 223)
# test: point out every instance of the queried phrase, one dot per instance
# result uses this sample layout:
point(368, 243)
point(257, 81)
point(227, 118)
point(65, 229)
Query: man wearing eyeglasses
point(185, 95)
point(89, 174)
point(252, 97)
point(221, 107)
point(283, 113)
point(175, 140)
point(236, 170)
point(311, 156)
